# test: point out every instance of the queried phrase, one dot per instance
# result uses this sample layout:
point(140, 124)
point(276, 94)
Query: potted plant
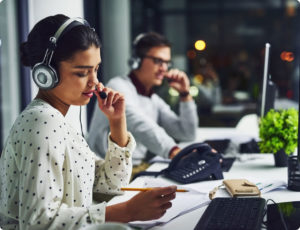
point(278, 131)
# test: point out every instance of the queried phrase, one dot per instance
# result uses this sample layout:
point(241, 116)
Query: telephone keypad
point(187, 173)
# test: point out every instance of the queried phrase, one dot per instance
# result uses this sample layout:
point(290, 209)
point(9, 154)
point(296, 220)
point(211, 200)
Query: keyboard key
point(233, 213)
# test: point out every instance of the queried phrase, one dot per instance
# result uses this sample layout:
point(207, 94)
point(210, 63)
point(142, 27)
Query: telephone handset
point(194, 163)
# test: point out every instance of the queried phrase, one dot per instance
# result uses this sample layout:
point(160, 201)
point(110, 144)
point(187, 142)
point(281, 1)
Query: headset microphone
point(103, 95)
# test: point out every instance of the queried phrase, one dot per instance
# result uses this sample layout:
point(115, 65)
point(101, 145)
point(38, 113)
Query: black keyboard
point(233, 214)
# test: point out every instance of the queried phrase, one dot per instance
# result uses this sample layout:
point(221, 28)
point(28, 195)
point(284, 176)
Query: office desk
point(237, 135)
point(261, 167)
point(223, 133)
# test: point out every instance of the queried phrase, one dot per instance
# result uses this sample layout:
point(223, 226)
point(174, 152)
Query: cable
point(103, 95)
point(81, 122)
point(280, 213)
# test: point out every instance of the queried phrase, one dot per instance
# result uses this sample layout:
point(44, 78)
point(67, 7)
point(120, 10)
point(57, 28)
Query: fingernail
point(174, 187)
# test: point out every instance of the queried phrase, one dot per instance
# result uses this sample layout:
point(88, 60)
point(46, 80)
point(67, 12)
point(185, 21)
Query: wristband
point(184, 94)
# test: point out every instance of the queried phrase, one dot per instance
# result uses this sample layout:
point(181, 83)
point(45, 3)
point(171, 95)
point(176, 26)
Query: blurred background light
point(198, 78)
point(287, 56)
point(191, 54)
point(173, 92)
point(200, 45)
point(194, 91)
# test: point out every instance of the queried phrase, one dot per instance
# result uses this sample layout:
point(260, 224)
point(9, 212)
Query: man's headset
point(44, 75)
point(135, 61)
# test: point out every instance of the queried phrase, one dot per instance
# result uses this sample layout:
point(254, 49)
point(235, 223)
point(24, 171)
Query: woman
point(48, 173)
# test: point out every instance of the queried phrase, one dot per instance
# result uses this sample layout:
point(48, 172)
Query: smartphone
point(285, 213)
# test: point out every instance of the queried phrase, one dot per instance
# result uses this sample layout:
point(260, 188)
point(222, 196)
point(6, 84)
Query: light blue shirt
point(150, 120)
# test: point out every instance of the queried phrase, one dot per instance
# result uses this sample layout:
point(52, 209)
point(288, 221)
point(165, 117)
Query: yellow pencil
point(146, 189)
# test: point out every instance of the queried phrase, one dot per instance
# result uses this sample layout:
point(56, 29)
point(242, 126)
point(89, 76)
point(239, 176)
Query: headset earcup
point(134, 63)
point(44, 76)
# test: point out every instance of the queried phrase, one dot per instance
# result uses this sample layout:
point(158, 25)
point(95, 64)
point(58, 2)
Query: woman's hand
point(113, 106)
point(147, 205)
point(151, 204)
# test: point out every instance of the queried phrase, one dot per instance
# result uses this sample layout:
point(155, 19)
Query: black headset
point(135, 61)
point(44, 75)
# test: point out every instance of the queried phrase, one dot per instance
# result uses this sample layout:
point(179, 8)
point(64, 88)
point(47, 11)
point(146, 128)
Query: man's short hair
point(144, 42)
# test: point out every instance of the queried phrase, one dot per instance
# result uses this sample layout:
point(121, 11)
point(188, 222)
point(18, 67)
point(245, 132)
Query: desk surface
point(254, 167)
point(236, 135)
point(261, 166)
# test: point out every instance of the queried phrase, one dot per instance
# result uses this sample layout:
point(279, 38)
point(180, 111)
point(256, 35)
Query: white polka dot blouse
point(48, 173)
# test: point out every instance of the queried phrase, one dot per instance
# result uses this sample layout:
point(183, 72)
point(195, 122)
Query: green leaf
point(279, 130)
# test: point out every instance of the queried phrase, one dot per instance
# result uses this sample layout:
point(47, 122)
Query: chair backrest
point(248, 124)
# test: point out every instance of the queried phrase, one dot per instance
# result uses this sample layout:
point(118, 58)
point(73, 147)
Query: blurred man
point(151, 121)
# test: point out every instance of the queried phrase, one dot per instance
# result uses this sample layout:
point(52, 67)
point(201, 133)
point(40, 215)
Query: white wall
point(39, 9)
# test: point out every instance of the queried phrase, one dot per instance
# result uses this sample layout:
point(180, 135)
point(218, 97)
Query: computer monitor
point(268, 92)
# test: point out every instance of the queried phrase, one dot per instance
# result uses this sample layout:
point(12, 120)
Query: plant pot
point(281, 158)
point(293, 173)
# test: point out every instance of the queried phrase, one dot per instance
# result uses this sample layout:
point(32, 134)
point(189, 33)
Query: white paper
point(159, 159)
point(268, 186)
point(183, 203)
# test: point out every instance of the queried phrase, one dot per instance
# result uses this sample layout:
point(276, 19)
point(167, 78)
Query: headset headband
point(138, 38)
point(64, 28)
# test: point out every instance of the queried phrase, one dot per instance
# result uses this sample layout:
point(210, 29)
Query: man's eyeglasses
point(159, 61)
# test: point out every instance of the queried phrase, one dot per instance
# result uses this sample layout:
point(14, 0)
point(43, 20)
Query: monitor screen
point(268, 91)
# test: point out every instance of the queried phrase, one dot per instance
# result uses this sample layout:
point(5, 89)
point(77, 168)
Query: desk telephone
point(194, 163)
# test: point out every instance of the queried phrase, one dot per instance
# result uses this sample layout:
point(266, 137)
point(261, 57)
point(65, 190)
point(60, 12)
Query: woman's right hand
point(113, 106)
point(151, 204)
point(148, 205)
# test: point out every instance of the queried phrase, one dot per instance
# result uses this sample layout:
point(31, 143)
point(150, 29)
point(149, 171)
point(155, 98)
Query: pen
point(146, 189)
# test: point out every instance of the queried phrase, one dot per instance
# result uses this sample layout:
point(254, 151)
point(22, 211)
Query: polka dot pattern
point(48, 173)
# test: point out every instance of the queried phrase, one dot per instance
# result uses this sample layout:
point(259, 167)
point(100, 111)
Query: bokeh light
point(200, 45)
point(194, 91)
point(173, 92)
point(287, 56)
